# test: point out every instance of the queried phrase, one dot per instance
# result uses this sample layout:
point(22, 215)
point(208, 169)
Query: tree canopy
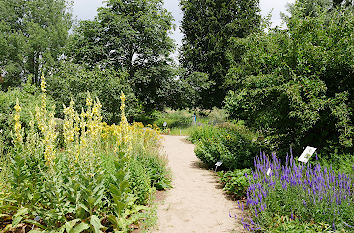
point(132, 36)
point(207, 26)
point(296, 85)
point(32, 36)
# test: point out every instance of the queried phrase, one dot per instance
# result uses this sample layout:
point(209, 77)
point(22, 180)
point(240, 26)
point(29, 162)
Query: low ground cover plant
point(98, 181)
point(313, 196)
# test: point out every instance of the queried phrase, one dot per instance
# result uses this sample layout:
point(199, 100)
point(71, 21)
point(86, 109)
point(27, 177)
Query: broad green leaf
point(69, 225)
point(96, 223)
point(19, 216)
point(33, 222)
point(80, 228)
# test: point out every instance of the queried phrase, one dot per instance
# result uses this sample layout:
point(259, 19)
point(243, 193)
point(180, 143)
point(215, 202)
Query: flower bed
point(300, 192)
point(96, 178)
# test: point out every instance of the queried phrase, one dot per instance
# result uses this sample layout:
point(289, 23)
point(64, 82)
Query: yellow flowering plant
point(98, 169)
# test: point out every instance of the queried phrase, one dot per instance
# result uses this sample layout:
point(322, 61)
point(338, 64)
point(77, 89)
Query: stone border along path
point(195, 203)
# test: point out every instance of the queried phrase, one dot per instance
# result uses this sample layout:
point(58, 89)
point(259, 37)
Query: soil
point(196, 202)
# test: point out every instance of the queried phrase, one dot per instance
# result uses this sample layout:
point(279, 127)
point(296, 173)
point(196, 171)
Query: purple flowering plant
point(302, 192)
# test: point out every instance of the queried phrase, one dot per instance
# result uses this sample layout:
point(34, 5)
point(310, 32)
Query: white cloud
point(276, 6)
point(86, 9)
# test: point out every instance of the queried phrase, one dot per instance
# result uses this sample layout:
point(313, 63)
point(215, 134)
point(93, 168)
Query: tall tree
point(207, 26)
point(132, 36)
point(32, 36)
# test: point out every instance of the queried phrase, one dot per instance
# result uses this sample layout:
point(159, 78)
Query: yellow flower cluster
point(46, 123)
point(85, 135)
point(83, 132)
point(17, 128)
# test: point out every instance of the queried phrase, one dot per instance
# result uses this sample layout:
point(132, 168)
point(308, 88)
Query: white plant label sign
point(218, 164)
point(269, 171)
point(308, 152)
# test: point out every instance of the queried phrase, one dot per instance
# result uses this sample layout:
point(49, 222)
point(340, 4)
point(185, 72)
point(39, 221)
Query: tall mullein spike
point(43, 84)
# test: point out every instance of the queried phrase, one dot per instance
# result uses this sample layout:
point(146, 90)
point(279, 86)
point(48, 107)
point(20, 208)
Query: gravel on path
point(196, 202)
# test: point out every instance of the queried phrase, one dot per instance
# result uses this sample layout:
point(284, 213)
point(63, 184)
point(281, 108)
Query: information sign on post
point(308, 152)
point(218, 164)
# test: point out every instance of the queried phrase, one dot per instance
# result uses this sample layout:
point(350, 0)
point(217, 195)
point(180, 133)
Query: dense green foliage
point(207, 26)
point(227, 143)
point(139, 181)
point(343, 163)
point(128, 39)
point(32, 37)
point(156, 169)
point(131, 36)
point(296, 85)
point(235, 182)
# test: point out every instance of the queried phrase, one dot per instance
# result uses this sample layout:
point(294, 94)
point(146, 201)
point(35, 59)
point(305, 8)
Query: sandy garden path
point(195, 203)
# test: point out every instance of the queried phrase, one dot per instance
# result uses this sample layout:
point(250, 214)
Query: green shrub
point(227, 144)
point(343, 163)
point(235, 182)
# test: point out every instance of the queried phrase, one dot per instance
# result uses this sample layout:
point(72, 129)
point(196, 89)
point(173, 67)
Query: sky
point(87, 9)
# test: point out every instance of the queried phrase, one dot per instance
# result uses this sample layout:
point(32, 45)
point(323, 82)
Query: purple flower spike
point(348, 225)
point(316, 187)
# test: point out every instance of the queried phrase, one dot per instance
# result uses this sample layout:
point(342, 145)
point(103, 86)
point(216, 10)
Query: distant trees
point(207, 26)
point(32, 37)
point(130, 36)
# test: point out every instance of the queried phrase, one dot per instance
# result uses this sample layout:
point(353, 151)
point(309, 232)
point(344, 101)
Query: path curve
point(195, 203)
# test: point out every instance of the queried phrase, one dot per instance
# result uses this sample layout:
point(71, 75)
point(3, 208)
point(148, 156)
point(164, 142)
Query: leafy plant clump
point(299, 192)
point(94, 182)
point(235, 182)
